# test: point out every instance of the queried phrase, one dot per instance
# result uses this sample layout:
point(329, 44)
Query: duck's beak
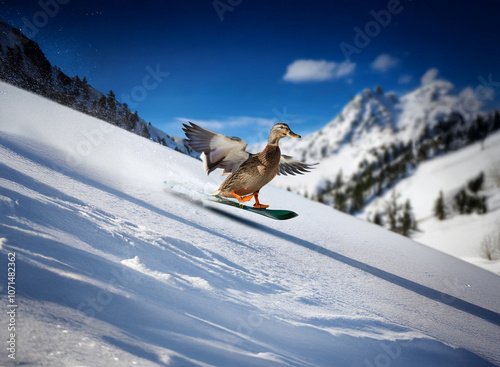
point(292, 134)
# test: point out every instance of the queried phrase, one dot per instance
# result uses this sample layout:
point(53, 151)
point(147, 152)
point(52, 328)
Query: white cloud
point(317, 70)
point(384, 62)
point(405, 79)
point(429, 76)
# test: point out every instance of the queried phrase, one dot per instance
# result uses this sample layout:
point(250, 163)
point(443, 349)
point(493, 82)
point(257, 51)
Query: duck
point(247, 172)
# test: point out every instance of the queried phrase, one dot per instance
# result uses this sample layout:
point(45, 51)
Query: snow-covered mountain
point(113, 270)
point(22, 63)
point(371, 120)
point(429, 140)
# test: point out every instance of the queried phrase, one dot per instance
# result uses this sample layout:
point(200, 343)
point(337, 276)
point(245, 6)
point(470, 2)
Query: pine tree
point(476, 184)
point(460, 199)
point(340, 201)
point(15, 59)
point(112, 101)
point(78, 82)
point(387, 156)
point(408, 222)
point(447, 140)
point(439, 207)
point(328, 186)
point(358, 199)
point(482, 129)
point(401, 218)
point(380, 184)
point(478, 130)
point(338, 180)
point(496, 121)
point(482, 208)
point(320, 198)
point(392, 209)
point(63, 78)
point(134, 119)
point(409, 155)
point(377, 219)
point(102, 113)
point(423, 152)
point(369, 181)
point(402, 168)
point(145, 132)
point(85, 88)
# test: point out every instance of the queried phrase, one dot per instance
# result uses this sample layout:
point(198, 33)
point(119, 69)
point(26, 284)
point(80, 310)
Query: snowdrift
point(112, 269)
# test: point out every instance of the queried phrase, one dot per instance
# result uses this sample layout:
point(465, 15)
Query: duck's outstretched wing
point(217, 150)
point(289, 166)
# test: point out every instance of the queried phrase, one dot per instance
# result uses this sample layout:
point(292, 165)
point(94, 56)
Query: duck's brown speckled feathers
point(253, 174)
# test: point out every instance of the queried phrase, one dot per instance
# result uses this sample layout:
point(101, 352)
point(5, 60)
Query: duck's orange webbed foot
point(242, 198)
point(257, 204)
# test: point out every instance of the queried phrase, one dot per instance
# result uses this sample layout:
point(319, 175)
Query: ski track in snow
point(113, 269)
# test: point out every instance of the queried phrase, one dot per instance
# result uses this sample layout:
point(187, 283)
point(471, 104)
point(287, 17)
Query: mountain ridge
point(24, 64)
point(394, 119)
point(374, 124)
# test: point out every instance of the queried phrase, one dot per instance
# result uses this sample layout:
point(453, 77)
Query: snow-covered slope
point(112, 270)
point(458, 235)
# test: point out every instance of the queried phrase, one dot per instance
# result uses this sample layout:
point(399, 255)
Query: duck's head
point(279, 131)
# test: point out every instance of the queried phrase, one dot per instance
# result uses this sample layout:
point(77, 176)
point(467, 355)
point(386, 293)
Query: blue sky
point(237, 66)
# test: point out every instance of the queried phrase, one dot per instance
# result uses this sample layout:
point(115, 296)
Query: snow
point(373, 119)
point(458, 235)
point(369, 121)
point(112, 269)
point(431, 103)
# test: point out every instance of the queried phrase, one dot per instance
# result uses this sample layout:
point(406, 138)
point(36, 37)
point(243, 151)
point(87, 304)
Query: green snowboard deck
point(278, 214)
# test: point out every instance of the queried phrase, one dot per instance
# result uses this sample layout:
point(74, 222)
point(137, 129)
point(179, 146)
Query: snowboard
point(278, 214)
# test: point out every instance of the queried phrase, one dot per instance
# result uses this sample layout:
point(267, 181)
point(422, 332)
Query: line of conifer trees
point(389, 164)
point(28, 68)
